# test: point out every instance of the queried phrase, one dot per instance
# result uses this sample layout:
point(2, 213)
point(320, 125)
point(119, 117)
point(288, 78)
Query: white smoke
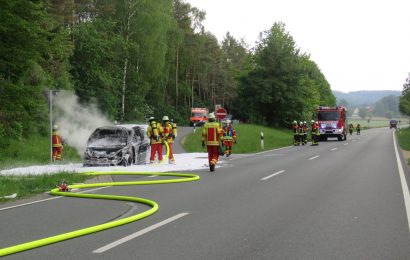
point(76, 122)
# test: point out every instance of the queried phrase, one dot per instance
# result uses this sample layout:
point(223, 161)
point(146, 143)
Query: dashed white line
point(346, 143)
point(138, 233)
point(314, 157)
point(272, 175)
point(404, 187)
point(334, 149)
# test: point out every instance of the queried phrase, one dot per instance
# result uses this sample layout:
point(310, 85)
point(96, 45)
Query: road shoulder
point(406, 155)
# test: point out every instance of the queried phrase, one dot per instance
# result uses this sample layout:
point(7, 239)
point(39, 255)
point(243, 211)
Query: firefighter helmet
point(301, 123)
point(294, 122)
point(312, 121)
point(211, 115)
point(55, 127)
point(228, 121)
point(151, 119)
point(165, 118)
point(317, 122)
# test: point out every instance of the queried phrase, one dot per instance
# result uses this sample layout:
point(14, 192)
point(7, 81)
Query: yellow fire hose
point(97, 228)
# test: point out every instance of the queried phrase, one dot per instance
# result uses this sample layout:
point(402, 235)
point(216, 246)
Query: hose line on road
point(81, 232)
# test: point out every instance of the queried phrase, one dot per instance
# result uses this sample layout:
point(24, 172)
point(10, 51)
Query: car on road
point(117, 145)
point(393, 123)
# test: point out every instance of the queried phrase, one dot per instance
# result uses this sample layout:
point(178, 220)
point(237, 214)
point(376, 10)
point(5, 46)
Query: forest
point(138, 58)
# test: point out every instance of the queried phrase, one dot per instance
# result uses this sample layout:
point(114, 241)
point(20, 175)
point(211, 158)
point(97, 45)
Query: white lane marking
point(403, 181)
point(314, 157)
point(277, 149)
point(53, 198)
point(346, 143)
point(138, 233)
point(334, 149)
point(272, 175)
point(250, 155)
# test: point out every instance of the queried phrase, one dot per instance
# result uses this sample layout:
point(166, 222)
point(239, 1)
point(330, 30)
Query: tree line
point(404, 104)
point(137, 58)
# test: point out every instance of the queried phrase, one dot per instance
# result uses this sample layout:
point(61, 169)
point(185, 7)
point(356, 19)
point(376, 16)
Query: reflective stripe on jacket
point(211, 133)
point(56, 139)
point(155, 132)
point(229, 133)
point(168, 132)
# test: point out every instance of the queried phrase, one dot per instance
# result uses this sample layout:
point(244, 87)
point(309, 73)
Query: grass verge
point(404, 138)
point(403, 135)
point(29, 185)
point(249, 139)
point(34, 150)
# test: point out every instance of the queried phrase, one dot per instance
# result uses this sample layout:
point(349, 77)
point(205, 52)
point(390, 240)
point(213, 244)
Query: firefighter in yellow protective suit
point(295, 128)
point(301, 133)
point(315, 132)
point(358, 128)
point(229, 137)
point(211, 136)
point(155, 133)
point(57, 143)
point(170, 133)
point(351, 129)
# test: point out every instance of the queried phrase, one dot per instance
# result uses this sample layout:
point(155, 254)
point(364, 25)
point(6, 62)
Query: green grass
point(29, 185)
point(404, 138)
point(34, 150)
point(249, 137)
point(375, 122)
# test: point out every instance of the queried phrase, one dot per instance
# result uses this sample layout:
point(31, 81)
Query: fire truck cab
point(332, 122)
point(199, 116)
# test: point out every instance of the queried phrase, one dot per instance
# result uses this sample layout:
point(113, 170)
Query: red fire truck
point(198, 116)
point(332, 122)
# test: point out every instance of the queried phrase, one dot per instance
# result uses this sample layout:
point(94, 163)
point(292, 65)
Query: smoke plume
point(76, 122)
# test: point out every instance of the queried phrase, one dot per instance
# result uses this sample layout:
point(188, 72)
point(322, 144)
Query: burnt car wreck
point(117, 145)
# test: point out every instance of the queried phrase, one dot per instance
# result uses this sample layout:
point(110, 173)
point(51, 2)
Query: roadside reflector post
point(262, 143)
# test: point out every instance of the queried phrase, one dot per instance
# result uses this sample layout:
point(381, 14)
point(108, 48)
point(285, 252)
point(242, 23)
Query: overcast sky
point(358, 44)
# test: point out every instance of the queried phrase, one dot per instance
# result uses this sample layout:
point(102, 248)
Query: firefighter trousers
point(156, 149)
point(213, 155)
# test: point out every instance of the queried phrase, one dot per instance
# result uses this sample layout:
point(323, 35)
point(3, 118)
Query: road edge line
point(403, 181)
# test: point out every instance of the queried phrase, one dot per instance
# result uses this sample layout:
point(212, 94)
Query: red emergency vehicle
point(199, 116)
point(332, 122)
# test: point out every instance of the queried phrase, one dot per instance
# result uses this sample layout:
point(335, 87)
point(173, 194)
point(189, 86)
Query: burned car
point(117, 145)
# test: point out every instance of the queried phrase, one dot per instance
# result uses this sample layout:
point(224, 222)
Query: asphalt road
point(338, 200)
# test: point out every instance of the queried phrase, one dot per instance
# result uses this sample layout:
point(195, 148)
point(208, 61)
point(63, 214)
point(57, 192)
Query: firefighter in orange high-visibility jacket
point(155, 133)
point(57, 143)
point(169, 136)
point(211, 136)
point(229, 137)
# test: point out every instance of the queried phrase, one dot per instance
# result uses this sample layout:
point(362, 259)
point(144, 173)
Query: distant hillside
point(364, 97)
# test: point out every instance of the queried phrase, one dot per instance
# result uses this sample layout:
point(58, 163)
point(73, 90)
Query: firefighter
point(301, 133)
point(305, 132)
point(155, 133)
point(351, 128)
point(169, 136)
point(211, 136)
point(295, 128)
point(358, 129)
point(229, 137)
point(57, 143)
point(315, 132)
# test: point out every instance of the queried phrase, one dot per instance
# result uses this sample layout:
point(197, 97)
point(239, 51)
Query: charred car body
point(117, 145)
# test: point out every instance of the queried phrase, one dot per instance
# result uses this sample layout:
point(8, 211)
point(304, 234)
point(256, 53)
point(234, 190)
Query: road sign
point(221, 113)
